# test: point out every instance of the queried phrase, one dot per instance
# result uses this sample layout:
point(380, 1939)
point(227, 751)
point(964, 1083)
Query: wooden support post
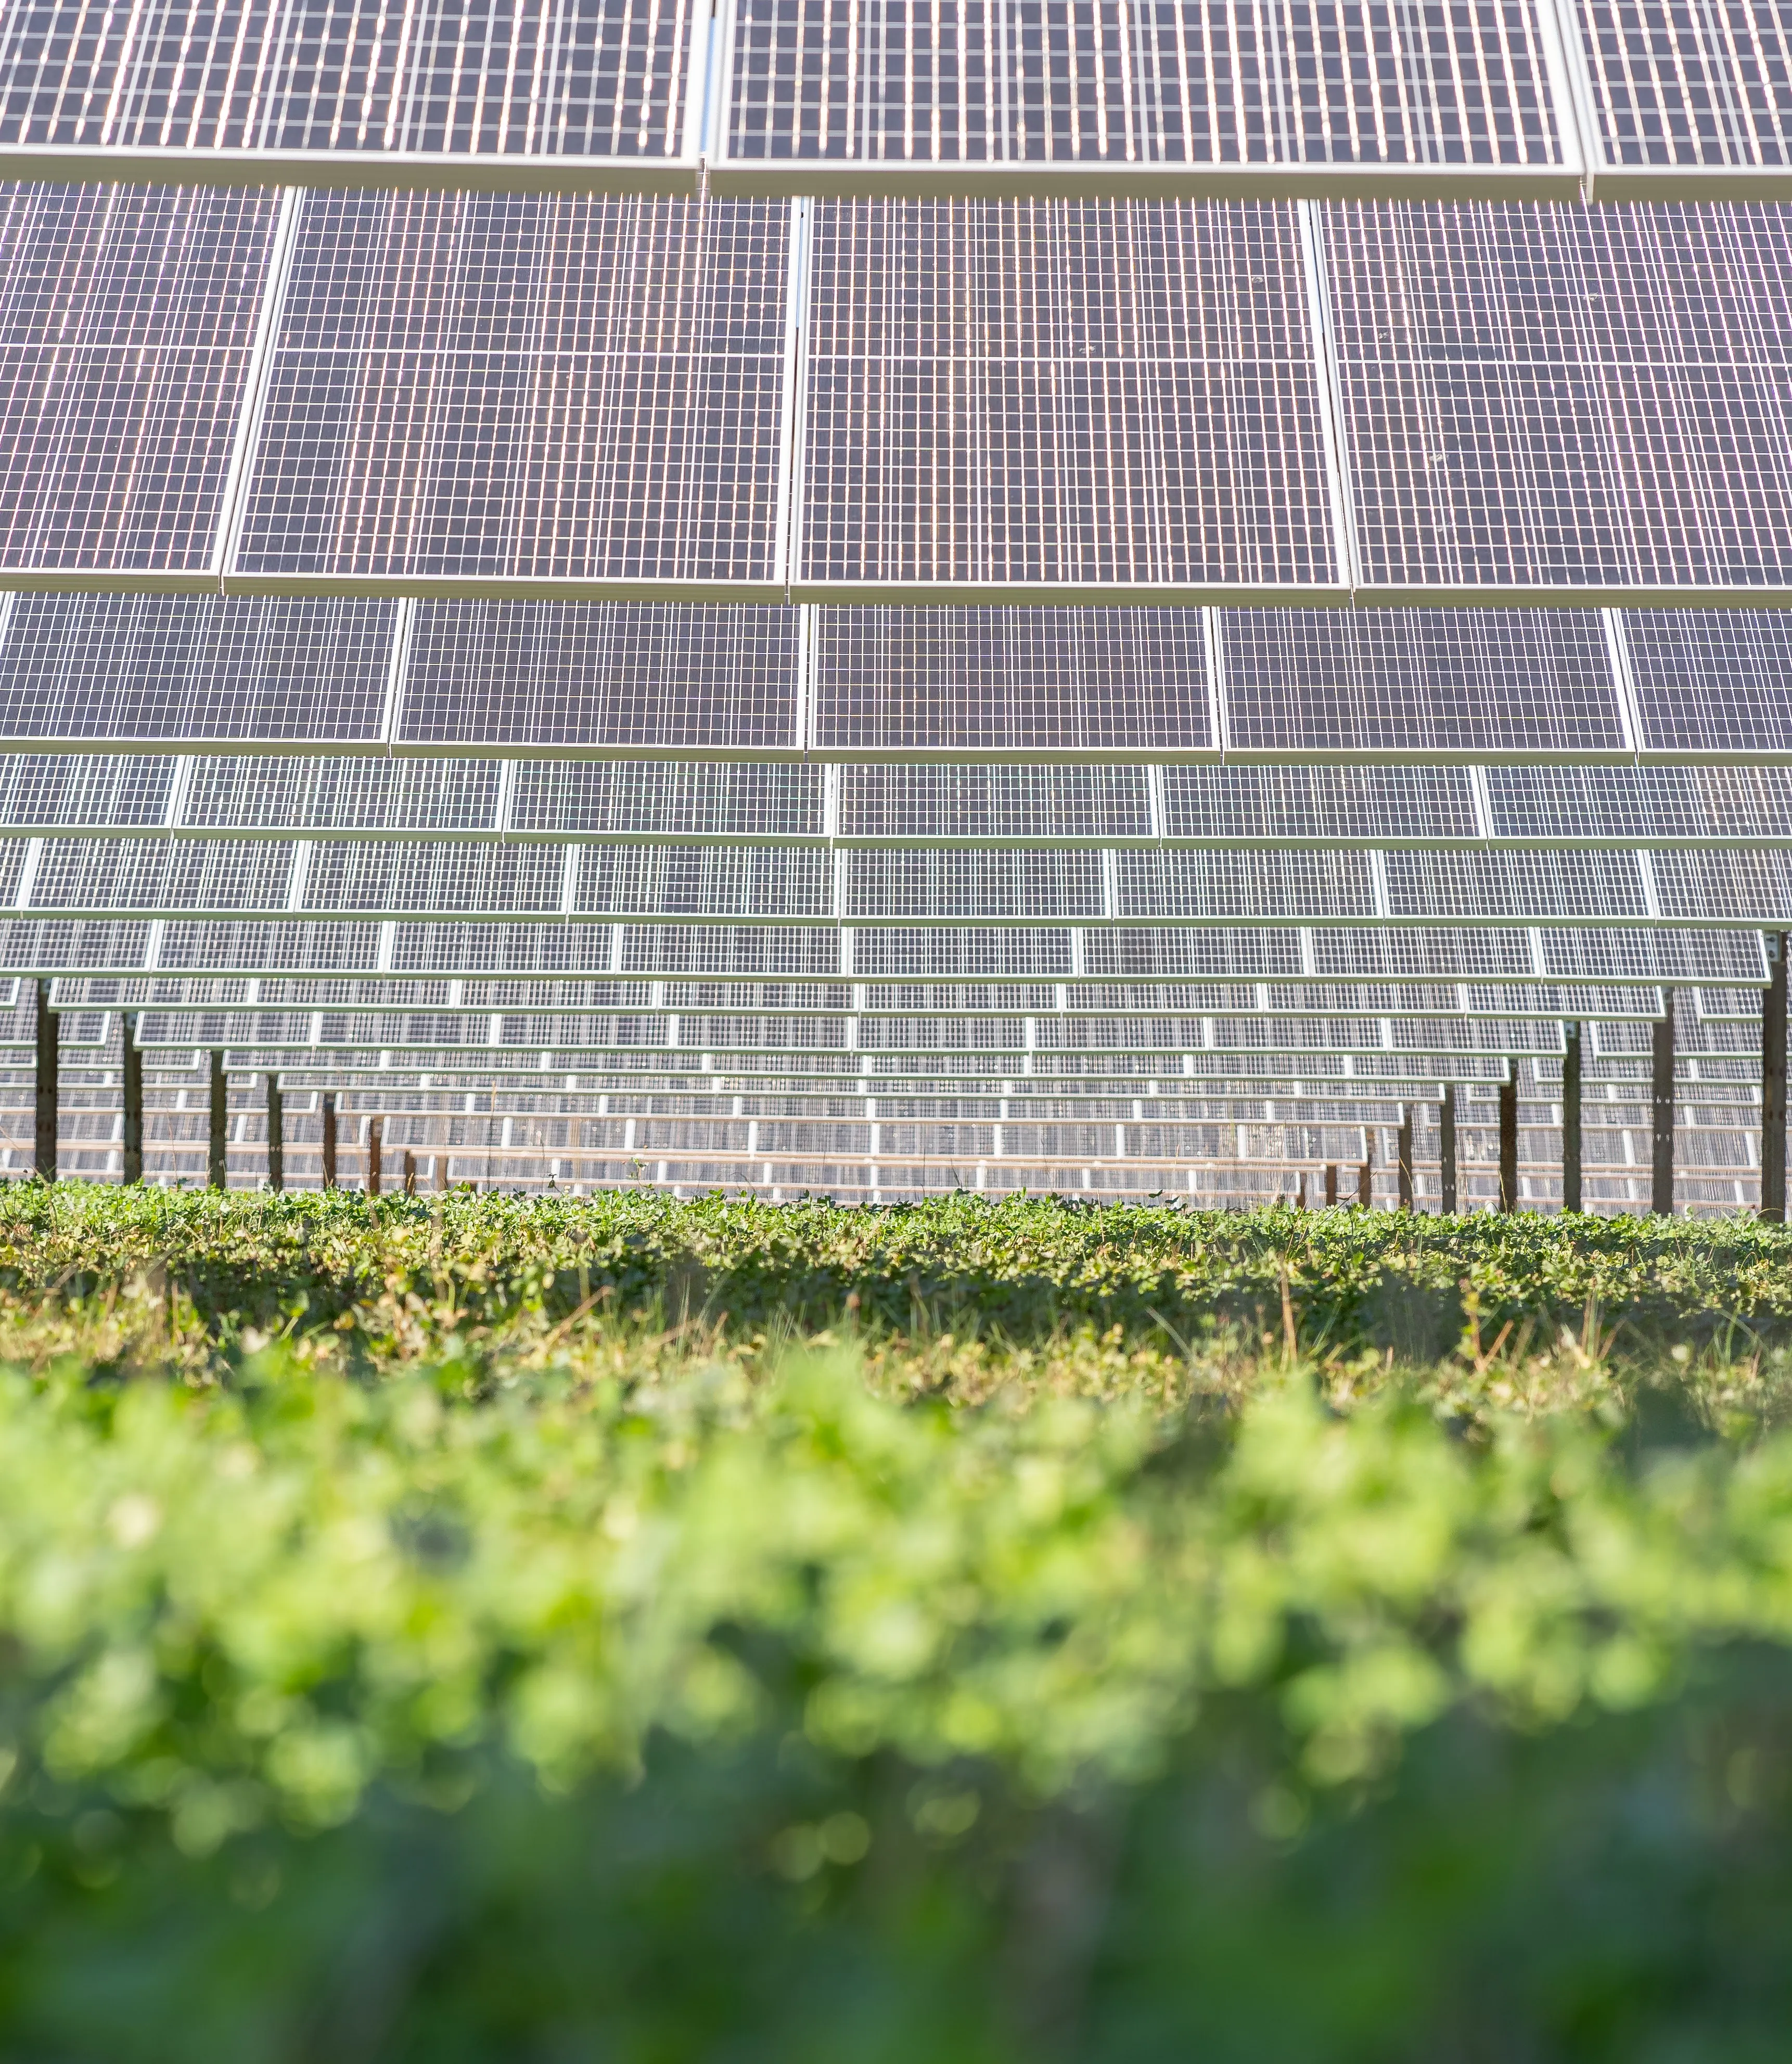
point(410, 1173)
point(1406, 1157)
point(216, 1168)
point(1508, 1140)
point(1365, 1178)
point(47, 1097)
point(375, 1126)
point(133, 1075)
point(276, 1136)
point(1661, 1140)
point(1571, 1119)
point(441, 1169)
point(330, 1141)
point(1331, 1183)
point(1772, 1084)
point(1447, 1151)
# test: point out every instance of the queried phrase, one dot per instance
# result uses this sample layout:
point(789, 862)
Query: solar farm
point(894, 905)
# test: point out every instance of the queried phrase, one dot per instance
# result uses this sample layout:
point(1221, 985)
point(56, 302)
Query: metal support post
point(374, 1127)
point(133, 1074)
point(216, 1172)
point(1772, 1084)
point(1508, 1140)
point(329, 1142)
point(1571, 1119)
point(1661, 1143)
point(1331, 1183)
point(276, 1136)
point(410, 1173)
point(47, 1086)
point(1366, 1180)
point(1406, 1157)
point(1447, 1151)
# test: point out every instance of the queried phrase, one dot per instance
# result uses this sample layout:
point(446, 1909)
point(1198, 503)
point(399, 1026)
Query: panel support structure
point(46, 1087)
point(276, 1136)
point(1661, 1136)
point(1508, 1140)
point(330, 1141)
point(1772, 1084)
point(1447, 1151)
point(1406, 1157)
point(1571, 1117)
point(375, 1128)
point(217, 1166)
point(133, 1082)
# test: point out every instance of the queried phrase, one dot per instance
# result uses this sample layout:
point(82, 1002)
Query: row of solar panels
point(891, 95)
point(570, 950)
point(540, 395)
point(679, 682)
point(185, 798)
point(880, 886)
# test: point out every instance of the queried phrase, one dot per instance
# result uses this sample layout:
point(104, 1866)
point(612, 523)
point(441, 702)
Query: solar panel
point(115, 672)
point(1655, 806)
point(524, 393)
point(127, 319)
point(926, 887)
point(1517, 887)
point(1091, 96)
point(492, 91)
point(74, 792)
point(998, 805)
point(1223, 887)
point(1702, 90)
point(1725, 887)
point(1318, 805)
point(1712, 686)
point(1547, 403)
point(1023, 399)
point(1013, 684)
point(1420, 684)
point(648, 799)
point(1659, 955)
point(257, 798)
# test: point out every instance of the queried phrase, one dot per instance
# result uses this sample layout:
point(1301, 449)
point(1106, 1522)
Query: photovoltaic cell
point(1012, 682)
point(524, 391)
point(1559, 401)
point(663, 679)
point(1716, 684)
point(1419, 683)
point(84, 86)
point(1702, 85)
point(185, 672)
point(1060, 399)
point(127, 319)
point(886, 89)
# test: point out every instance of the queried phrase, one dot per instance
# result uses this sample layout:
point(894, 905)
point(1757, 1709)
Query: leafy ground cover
point(486, 1629)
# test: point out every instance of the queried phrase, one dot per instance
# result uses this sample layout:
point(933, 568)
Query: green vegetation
point(627, 1630)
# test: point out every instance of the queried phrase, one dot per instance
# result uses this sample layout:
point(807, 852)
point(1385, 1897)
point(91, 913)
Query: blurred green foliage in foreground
point(540, 1631)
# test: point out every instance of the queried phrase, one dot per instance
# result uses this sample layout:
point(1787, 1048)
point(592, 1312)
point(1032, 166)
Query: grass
point(1044, 1615)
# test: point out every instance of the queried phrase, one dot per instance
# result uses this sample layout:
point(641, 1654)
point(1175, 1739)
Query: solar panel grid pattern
point(926, 886)
point(1359, 804)
point(385, 798)
point(1725, 888)
point(565, 388)
point(1032, 804)
point(1566, 398)
point(1523, 886)
point(161, 876)
point(768, 885)
point(646, 798)
point(176, 670)
point(994, 680)
point(53, 792)
point(1219, 886)
point(1715, 682)
point(1023, 394)
point(450, 877)
point(1439, 682)
point(1689, 82)
point(1044, 82)
point(584, 78)
point(127, 319)
point(590, 676)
